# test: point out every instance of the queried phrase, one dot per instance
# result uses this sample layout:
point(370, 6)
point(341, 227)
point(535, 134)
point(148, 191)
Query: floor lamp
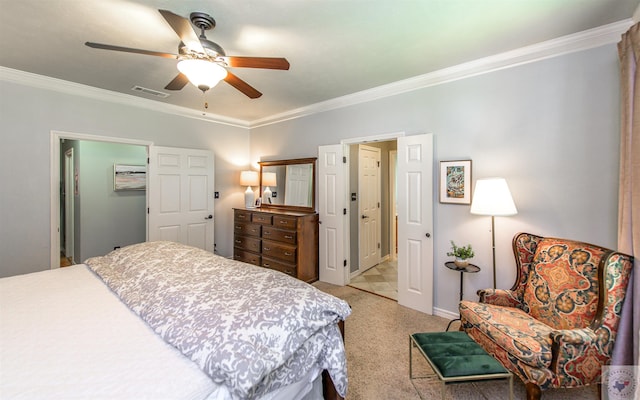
point(492, 197)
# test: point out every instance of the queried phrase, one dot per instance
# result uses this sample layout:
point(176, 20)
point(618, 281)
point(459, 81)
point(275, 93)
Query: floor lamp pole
point(493, 247)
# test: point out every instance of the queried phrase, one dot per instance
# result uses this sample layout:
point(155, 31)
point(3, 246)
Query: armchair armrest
point(499, 297)
point(574, 337)
point(571, 346)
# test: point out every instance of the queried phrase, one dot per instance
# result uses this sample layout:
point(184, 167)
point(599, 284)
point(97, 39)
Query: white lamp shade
point(269, 179)
point(249, 178)
point(492, 197)
point(201, 73)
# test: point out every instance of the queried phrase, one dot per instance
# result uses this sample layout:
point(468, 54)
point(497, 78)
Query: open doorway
point(84, 199)
point(374, 266)
point(414, 197)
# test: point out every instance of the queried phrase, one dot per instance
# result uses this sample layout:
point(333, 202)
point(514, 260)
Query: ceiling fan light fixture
point(202, 74)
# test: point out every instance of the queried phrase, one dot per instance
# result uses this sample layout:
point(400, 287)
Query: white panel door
point(415, 222)
point(181, 196)
point(368, 206)
point(331, 206)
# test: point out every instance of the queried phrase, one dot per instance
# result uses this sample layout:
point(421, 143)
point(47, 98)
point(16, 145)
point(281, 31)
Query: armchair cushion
point(527, 339)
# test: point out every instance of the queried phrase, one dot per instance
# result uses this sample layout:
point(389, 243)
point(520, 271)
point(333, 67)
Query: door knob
point(364, 216)
point(428, 235)
point(209, 217)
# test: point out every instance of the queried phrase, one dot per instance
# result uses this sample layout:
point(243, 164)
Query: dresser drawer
point(247, 243)
point(280, 235)
point(289, 269)
point(246, 256)
point(280, 251)
point(242, 216)
point(247, 229)
point(263, 219)
point(284, 222)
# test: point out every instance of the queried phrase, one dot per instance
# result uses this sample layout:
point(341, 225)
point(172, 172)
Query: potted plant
point(462, 254)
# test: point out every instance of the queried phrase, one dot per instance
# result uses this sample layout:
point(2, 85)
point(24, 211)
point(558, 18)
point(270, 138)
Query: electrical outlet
point(216, 195)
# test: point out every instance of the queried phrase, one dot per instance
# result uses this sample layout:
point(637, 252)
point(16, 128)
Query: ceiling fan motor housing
point(203, 21)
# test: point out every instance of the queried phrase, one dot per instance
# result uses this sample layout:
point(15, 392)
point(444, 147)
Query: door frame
point(69, 201)
point(54, 168)
point(345, 143)
point(393, 226)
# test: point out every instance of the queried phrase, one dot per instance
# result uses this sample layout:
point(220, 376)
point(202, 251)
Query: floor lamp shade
point(248, 179)
point(492, 197)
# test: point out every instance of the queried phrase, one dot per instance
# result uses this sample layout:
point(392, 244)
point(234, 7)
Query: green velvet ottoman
point(455, 357)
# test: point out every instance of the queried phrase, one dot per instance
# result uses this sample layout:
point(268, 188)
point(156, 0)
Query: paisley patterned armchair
point(556, 327)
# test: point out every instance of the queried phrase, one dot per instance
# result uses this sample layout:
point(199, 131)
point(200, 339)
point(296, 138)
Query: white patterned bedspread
point(250, 328)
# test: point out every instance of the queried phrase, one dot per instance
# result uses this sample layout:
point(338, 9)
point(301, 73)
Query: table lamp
point(268, 179)
point(492, 197)
point(248, 179)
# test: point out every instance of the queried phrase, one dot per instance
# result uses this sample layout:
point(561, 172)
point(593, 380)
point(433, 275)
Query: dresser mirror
point(289, 184)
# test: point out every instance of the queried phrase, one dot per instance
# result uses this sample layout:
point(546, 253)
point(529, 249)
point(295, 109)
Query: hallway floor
point(381, 279)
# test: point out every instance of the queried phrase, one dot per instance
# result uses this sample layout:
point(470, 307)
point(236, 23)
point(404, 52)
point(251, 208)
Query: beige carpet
point(377, 342)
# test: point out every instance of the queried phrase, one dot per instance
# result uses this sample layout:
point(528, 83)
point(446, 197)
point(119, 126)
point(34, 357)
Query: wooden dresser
point(282, 240)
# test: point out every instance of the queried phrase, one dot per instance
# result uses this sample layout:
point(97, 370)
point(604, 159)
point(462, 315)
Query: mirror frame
point(310, 160)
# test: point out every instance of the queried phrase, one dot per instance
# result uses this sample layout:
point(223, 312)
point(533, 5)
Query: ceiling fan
point(201, 61)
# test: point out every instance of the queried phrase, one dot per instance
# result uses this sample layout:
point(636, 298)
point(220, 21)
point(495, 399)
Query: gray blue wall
point(551, 128)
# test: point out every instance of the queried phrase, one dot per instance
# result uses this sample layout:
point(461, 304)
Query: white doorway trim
point(54, 169)
point(393, 226)
point(69, 199)
point(374, 138)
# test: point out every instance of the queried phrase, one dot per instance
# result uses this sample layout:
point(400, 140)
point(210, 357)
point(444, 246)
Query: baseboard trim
point(439, 312)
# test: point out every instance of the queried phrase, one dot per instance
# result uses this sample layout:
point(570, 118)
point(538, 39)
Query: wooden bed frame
point(328, 388)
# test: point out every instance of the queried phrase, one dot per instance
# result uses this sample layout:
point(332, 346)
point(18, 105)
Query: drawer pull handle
point(266, 233)
point(288, 237)
point(253, 230)
point(284, 222)
point(265, 265)
point(238, 227)
point(238, 241)
point(286, 253)
point(266, 248)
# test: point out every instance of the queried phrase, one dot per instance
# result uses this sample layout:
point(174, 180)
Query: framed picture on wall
point(455, 182)
point(129, 177)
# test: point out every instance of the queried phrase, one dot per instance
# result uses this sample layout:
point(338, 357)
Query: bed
point(161, 320)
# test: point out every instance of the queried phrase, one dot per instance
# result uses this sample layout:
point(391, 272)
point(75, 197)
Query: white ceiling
point(335, 47)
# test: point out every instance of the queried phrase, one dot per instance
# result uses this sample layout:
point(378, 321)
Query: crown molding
point(76, 89)
point(580, 41)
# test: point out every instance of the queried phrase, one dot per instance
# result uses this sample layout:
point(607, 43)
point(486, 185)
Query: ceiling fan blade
point(184, 30)
point(242, 86)
point(258, 62)
point(130, 50)
point(178, 82)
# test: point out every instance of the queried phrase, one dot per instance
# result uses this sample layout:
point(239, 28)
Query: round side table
point(470, 268)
